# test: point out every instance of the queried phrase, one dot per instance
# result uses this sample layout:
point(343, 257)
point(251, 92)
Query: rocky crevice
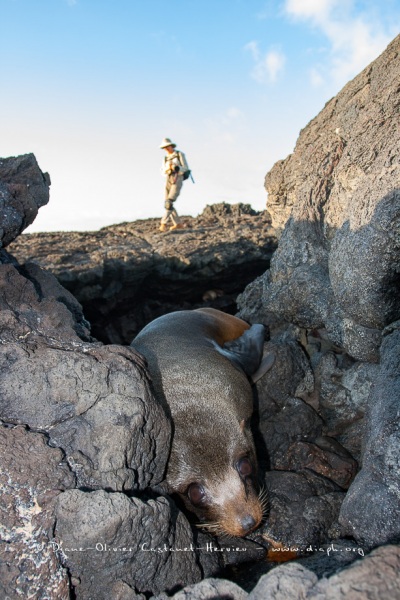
point(126, 275)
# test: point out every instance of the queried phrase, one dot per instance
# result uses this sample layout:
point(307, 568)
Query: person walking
point(176, 170)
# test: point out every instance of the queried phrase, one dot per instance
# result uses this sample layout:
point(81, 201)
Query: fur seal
point(200, 361)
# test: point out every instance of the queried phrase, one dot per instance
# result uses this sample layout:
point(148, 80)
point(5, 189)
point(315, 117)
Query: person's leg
point(174, 218)
point(168, 206)
point(172, 189)
point(173, 194)
point(169, 209)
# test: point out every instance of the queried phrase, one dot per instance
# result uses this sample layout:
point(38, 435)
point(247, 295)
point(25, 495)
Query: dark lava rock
point(291, 435)
point(375, 577)
point(323, 560)
point(341, 394)
point(209, 589)
point(333, 288)
point(126, 275)
point(32, 476)
point(371, 511)
point(324, 456)
point(291, 374)
point(93, 401)
point(23, 190)
point(107, 538)
point(303, 509)
point(296, 421)
point(338, 196)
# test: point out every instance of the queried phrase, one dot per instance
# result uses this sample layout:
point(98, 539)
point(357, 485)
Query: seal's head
point(220, 485)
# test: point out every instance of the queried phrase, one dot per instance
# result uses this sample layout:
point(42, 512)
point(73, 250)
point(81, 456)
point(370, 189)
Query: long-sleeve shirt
point(176, 159)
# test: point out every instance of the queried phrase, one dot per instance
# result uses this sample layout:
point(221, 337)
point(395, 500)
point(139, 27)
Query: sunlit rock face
point(333, 288)
point(338, 199)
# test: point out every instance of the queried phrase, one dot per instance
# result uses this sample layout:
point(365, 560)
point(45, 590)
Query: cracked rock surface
point(338, 198)
point(331, 301)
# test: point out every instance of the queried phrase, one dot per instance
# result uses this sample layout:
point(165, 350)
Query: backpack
point(186, 174)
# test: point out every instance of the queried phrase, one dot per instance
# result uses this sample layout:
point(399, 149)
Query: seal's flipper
point(265, 366)
point(246, 351)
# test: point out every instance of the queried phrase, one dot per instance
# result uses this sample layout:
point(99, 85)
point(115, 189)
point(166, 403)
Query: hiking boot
point(176, 226)
point(163, 227)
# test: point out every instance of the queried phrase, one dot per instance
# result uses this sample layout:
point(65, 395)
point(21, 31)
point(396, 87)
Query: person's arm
point(166, 166)
point(183, 162)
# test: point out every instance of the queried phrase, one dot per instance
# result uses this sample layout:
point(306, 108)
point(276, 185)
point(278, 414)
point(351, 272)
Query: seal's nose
point(248, 523)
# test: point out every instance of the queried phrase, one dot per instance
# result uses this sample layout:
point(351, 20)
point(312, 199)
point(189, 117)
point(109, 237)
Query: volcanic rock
point(333, 289)
point(105, 539)
point(85, 440)
point(32, 475)
point(371, 511)
point(23, 190)
point(338, 262)
point(209, 589)
point(303, 509)
point(128, 274)
point(375, 577)
point(53, 381)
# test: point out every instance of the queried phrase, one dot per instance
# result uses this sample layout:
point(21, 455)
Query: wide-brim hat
point(167, 142)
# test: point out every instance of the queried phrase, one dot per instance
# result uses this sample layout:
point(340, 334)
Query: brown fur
point(210, 402)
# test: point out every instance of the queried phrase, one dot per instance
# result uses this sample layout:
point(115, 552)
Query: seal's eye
point(244, 467)
point(196, 493)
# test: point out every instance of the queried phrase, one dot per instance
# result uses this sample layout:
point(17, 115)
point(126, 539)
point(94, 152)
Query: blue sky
point(93, 86)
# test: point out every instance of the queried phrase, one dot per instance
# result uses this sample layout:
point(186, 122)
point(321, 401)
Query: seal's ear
point(246, 351)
